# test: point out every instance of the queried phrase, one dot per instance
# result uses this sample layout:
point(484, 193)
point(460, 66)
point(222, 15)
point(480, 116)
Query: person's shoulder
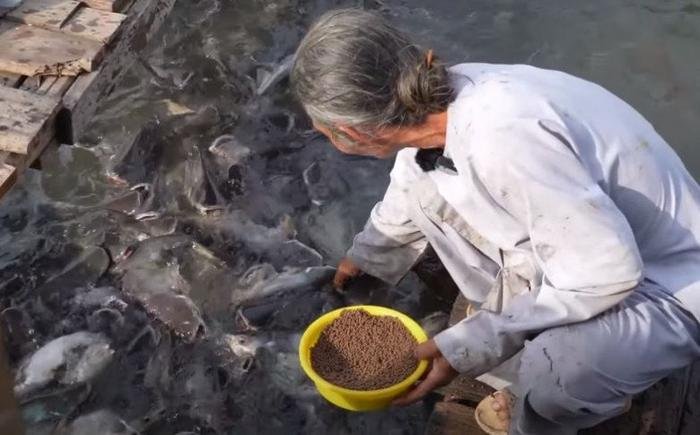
point(501, 99)
point(499, 91)
point(497, 100)
point(510, 116)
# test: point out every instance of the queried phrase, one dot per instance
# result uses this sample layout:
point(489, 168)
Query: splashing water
point(178, 252)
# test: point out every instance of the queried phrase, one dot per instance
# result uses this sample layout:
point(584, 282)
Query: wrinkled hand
point(346, 271)
point(440, 373)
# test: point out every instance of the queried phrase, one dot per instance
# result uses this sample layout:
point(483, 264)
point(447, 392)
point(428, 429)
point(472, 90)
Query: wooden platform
point(58, 59)
point(671, 407)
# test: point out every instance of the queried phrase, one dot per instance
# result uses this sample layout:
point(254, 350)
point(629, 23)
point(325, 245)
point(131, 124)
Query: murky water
point(230, 221)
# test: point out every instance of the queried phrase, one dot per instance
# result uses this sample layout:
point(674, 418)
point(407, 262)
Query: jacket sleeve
point(390, 243)
point(580, 239)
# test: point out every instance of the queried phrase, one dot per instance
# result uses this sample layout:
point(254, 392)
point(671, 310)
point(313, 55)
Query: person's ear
point(354, 134)
point(322, 129)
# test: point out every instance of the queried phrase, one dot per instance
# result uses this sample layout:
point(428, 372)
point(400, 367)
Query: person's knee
point(544, 387)
point(559, 381)
point(552, 359)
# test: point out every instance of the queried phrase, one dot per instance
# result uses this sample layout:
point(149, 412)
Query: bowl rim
point(305, 343)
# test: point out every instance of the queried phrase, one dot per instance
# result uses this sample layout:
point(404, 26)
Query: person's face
point(349, 140)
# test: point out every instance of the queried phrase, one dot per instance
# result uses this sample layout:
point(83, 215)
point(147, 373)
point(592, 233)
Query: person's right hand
point(346, 271)
point(440, 373)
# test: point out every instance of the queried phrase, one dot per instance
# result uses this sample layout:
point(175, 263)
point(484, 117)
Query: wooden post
point(10, 417)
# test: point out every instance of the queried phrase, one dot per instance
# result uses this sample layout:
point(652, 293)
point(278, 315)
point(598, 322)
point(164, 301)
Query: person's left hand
point(440, 373)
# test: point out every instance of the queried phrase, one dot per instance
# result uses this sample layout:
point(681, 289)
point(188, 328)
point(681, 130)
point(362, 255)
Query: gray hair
point(353, 68)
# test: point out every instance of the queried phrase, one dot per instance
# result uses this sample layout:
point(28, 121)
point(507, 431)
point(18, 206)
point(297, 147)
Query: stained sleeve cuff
point(478, 344)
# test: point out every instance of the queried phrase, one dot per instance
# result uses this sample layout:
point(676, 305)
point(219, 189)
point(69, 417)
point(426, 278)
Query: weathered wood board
point(22, 162)
point(108, 5)
point(452, 419)
point(32, 51)
point(101, 26)
point(9, 79)
point(31, 83)
point(54, 85)
point(47, 14)
point(25, 120)
point(15, 164)
point(8, 177)
point(42, 85)
point(68, 16)
point(465, 390)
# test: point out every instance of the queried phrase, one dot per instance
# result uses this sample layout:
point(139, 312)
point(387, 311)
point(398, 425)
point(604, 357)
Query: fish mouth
point(210, 210)
point(142, 187)
point(116, 179)
point(147, 216)
point(214, 147)
point(247, 364)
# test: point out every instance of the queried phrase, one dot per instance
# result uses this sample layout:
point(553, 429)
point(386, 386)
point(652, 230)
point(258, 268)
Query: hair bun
point(423, 88)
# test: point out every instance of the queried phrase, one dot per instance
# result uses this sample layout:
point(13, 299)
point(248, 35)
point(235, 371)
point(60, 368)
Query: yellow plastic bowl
point(356, 400)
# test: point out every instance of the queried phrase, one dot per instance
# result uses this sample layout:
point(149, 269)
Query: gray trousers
point(576, 376)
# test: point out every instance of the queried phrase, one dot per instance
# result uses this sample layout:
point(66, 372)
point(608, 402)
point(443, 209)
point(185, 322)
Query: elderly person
point(561, 214)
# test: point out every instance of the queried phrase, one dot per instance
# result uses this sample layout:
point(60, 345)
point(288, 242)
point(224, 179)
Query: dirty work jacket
point(559, 199)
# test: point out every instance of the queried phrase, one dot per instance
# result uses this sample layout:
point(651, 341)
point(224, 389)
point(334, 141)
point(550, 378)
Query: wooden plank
point(464, 389)
point(94, 24)
point(31, 84)
point(57, 87)
point(107, 5)
point(53, 87)
point(23, 162)
point(452, 419)
point(8, 178)
point(10, 79)
point(34, 51)
point(26, 120)
point(144, 17)
point(69, 16)
point(47, 14)
point(63, 128)
point(46, 84)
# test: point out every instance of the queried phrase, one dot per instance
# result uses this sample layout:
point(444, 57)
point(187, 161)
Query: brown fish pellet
point(360, 351)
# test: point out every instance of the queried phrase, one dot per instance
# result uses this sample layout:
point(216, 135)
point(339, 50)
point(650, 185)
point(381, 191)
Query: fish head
point(244, 346)
point(93, 360)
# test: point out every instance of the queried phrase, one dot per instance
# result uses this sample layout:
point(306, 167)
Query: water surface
point(198, 80)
